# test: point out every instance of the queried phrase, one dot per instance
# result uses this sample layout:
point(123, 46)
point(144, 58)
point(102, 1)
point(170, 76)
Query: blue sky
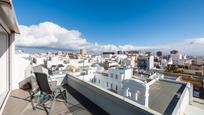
point(119, 22)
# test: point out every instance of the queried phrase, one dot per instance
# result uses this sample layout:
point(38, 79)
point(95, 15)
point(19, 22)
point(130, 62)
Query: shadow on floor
point(19, 104)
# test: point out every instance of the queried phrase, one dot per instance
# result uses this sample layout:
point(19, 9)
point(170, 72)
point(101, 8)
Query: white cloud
point(192, 46)
point(48, 34)
point(198, 41)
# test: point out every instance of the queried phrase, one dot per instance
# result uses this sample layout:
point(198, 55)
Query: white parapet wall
point(110, 102)
point(182, 103)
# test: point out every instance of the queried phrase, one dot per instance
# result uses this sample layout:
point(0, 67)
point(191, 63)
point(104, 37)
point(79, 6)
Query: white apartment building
point(97, 58)
point(53, 62)
point(198, 60)
point(163, 63)
point(78, 63)
point(145, 91)
point(151, 62)
point(120, 57)
point(129, 62)
point(88, 74)
point(137, 89)
point(177, 59)
point(113, 78)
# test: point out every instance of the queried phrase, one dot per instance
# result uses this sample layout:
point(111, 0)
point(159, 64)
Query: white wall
point(39, 60)
point(177, 59)
point(111, 81)
point(50, 63)
point(21, 71)
point(151, 62)
point(183, 103)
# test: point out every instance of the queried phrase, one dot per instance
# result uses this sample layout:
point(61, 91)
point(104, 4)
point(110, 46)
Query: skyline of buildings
point(108, 71)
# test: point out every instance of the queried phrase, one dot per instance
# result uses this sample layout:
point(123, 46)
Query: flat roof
point(164, 95)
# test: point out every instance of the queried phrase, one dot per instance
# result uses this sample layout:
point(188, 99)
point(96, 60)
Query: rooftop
point(77, 105)
point(168, 92)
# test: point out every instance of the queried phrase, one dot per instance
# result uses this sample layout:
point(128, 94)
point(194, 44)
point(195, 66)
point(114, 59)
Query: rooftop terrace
point(77, 105)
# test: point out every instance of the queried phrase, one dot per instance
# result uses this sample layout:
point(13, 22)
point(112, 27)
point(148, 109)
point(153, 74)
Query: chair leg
point(45, 109)
point(31, 99)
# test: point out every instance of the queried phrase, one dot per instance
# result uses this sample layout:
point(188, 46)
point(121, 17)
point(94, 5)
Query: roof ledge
point(8, 17)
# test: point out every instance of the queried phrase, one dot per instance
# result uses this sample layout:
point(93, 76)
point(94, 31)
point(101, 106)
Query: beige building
point(83, 52)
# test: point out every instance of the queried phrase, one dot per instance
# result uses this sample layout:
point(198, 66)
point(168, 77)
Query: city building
point(129, 62)
point(177, 59)
point(112, 79)
point(159, 53)
point(108, 54)
point(108, 64)
point(173, 51)
point(198, 61)
point(83, 52)
point(39, 60)
point(150, 92)
point(145, 62)
point(53, 62)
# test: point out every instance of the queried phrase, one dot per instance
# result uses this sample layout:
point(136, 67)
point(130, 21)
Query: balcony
point(77, 105)
point(84, 99)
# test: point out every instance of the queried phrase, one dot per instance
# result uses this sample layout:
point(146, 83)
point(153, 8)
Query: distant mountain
point(42, 49)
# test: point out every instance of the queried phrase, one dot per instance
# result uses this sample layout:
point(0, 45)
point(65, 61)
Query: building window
point(107, 84)
point(111, 86)
point(116, 76)
point(116, 88)
point(99, 81)
point(111, 75)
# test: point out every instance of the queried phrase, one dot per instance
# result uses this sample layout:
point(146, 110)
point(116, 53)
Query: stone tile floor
point(77, 105)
